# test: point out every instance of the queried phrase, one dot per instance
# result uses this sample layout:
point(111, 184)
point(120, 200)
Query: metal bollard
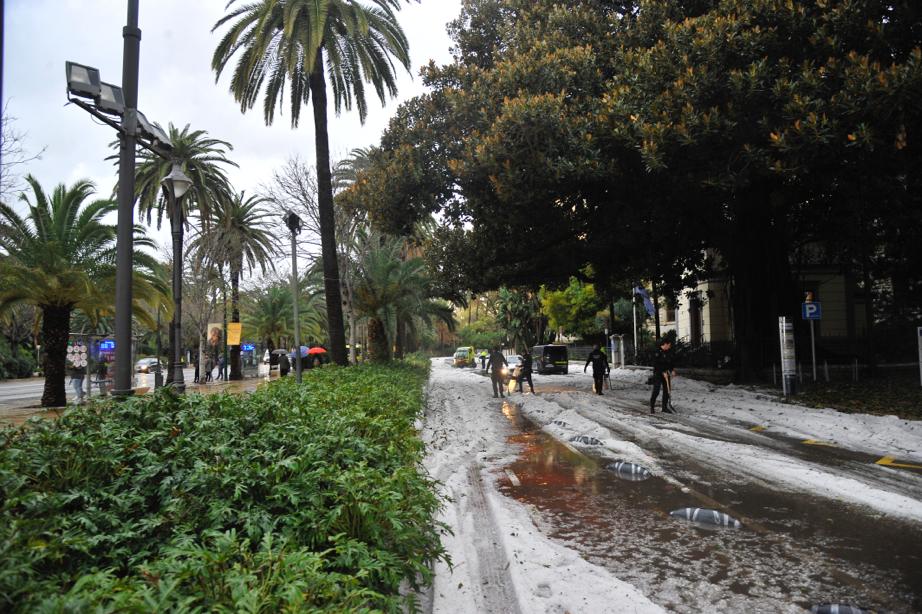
point(774, 376)
point(826, 370)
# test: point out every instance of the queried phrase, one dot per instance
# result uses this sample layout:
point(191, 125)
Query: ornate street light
point(294, 225)
point(175, 185)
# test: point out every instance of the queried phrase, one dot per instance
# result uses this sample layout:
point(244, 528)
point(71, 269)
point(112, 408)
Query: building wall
point(715, 314)
point(829, 287)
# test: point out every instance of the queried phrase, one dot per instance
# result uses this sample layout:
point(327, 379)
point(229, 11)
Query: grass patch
point(896, 394)
point(291, 498)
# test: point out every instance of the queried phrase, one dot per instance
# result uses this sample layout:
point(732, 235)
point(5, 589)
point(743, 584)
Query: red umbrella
point(317, 350)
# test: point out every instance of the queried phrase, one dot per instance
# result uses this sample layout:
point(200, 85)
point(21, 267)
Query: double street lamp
point(118, 107)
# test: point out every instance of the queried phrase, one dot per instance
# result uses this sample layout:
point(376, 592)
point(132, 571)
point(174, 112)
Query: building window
point(670, 314)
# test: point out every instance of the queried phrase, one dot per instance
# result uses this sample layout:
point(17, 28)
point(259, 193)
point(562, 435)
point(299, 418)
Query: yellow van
point(465, 357)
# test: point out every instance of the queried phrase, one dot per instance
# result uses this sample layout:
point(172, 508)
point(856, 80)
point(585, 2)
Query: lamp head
point(110, 99)
point(177, 181)
point(293, 222)
point(82, 80)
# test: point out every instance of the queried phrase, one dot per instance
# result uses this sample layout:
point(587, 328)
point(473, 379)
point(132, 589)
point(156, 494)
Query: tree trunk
point(347, 282)
point(870, 357)
point(400, 341)
point(378, 347)
point(235, 370)
point(55, 326)
point(325, 213)
point(761, 275)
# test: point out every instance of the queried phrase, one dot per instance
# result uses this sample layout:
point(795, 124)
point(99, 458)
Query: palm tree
point(300, 42)
point(61, 258)
point(267, 312)
point(202, 159)
point(393, 293)
point(236, 233)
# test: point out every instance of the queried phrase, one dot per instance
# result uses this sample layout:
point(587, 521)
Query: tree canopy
point(640, 137)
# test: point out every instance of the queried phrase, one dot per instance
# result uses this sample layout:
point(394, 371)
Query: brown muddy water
point(794, 550)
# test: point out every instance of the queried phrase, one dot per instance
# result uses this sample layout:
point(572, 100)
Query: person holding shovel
point(663, 371)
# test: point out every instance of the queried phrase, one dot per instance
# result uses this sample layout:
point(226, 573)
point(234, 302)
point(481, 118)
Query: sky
point(176, 85)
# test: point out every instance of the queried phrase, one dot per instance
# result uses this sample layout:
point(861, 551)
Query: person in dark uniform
point(525, 372)
point(496, 363)
point(663, 371)
point(284, 365)
point(599, 366)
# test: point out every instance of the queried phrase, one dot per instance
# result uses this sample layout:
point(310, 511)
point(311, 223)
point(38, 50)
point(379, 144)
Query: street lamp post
point(294, 225)
point(175, 185)
point(133, 129)
point(125, 226)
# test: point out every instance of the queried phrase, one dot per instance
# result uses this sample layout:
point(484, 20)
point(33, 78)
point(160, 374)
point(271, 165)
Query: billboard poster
point(234, 330)
point(215, 334)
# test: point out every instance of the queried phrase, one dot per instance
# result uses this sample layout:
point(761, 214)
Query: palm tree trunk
point(347, 282)
point(325, 213)
point(235, 371)
point(378, 348)
point(400, 341)
point(55, 326)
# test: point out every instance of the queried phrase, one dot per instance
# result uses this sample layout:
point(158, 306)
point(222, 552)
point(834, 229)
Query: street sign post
point(919, 337)
point(788, 357)
point(811, 311)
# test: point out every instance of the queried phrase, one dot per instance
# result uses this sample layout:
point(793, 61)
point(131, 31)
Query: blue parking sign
point(811, 311)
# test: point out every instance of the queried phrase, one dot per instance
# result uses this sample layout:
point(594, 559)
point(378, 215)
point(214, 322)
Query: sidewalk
point(21, 399)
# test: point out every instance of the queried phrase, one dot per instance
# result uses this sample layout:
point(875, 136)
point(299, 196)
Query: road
point(20, 399)
point(542, 524)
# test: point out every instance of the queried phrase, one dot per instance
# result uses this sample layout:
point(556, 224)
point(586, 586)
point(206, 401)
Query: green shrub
point(290, 498)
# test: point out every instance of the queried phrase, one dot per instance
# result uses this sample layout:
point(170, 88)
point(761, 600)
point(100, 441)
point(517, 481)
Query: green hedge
point(292, 498)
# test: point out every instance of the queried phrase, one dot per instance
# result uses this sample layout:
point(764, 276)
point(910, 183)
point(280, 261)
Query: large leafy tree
point(301, 43)
point(60, 258)
point(236, 233)
point(635, 138)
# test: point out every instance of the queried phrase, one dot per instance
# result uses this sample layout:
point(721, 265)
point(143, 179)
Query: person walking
point(209, 367)
point(483, 359)
point(220, 366)
point(663, 371)
point(599, 366)
point(102, 377)
point(284, 365)
point(77, 374)
point(525, 372)
point(496, 363)
point(195, 378)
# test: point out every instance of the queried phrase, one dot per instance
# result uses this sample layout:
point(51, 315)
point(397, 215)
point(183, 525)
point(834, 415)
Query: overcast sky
point(176, 84)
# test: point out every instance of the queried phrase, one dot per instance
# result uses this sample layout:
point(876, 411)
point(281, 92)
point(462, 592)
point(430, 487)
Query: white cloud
point(176, 84)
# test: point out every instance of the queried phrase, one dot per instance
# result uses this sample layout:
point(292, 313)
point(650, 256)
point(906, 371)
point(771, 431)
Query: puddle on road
point(795, 552)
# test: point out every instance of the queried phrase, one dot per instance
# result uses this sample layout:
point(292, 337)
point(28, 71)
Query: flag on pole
point(647, 302)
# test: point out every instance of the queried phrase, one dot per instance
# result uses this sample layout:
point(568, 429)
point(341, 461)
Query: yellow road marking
point(889, 462)
point(817, 442)
point(758, 428)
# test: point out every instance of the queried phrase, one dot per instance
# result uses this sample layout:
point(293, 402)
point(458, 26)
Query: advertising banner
point(215, 334)
point(234, 330)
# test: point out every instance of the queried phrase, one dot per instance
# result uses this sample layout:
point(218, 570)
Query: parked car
point(464, 357)
point(147, 365)
point(512, 363)
point(550, 359)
